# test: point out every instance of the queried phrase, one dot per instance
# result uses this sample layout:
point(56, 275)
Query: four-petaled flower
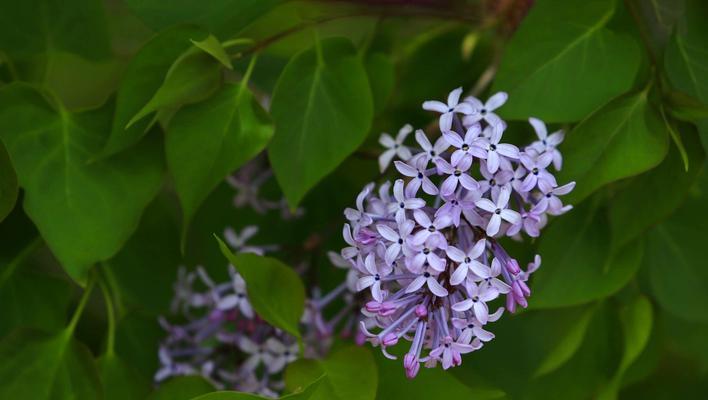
point(499, 211)
point(547, 143)
point(394, 147)
point(448, 110)
point(485, 111)
point(467, 262)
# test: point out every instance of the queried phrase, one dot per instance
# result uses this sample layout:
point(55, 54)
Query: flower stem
point(82, 304)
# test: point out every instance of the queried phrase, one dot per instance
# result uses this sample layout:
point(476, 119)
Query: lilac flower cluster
point(221, 338)
point(428, 255)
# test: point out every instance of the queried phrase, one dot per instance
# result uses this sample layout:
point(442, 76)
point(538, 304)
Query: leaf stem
point(110, 316)
point(82, 304)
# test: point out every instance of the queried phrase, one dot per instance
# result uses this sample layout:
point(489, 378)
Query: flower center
point(465, 147)
point(467, 260)
point(426, 251)
point(400, 241)
point(497, 211)
point(457, 172)
point(402, 205)
point(535, 171)
point(426, 274)
point(431, 228)
point(492, 147)
point(420, 175)
point(492, 182)
point(377, 277)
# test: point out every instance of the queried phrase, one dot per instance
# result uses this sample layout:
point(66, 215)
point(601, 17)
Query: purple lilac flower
point(394, 147)
point(430, 266)
point(448, 110)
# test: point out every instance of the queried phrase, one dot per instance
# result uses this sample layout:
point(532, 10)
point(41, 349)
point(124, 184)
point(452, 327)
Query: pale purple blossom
point(394, 147)
point(448, 110)
point(547, 143)
point(431, 260)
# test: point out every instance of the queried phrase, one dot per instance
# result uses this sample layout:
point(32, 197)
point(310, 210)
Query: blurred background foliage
point(119, 121)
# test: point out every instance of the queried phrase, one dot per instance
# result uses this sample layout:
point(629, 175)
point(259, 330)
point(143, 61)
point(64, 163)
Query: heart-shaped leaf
point(85, 212)
point(209, 140)
point(322, 109)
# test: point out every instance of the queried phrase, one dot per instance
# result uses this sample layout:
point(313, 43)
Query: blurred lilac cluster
point(220, 337)
point(428, 254)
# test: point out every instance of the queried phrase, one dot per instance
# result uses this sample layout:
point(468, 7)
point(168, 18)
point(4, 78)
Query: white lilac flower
point(495, 151)
point(419, 175)
point(537, 174)
point(547, 143)
point(467, 261)
point(448, 110)
point(457, 172)
point(485, 111)
point(394, 147)
point(403, 202)
point(499, 211)
point(550, 203)
point(430, 152)
point(359, 215)
point(237, 241)
point(432, 259)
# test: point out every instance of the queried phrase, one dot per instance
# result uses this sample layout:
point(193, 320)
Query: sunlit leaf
point(322, 109)
point(563, 62)
point(209, 140)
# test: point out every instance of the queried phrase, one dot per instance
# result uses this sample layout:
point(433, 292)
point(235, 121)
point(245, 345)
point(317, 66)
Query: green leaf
point(39, 26)
point(192, 78)
point(120, 381)
point(29, 298)
point(431, 383)
point(676, 259)
point(685, 107)
point(213, 47)
point(380, 71)
point(155, 244)
point(8, 184)
point(303, 394)
point(84, 212)
point(40, 366)
point(637, 322)
point(563, 63)
point(623, 138)
point(182, 388)
point(274, 289)
point(222, 17)
point(137, 341)
point(322, 109)
point(568, 344)
point(349, 374)
point(143, 77)
point(631, 215)
point(686, 59)
point(578, 264)
point(209, 140)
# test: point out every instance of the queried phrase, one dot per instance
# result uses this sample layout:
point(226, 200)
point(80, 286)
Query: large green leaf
point(39, 366)
point(349, 374)
point(563, 62)
point(623, 138)
point(84, 212)
point(137, 341)
point(381, 73)
point(274, 289)
point(182, 388)
point(209, 140)
point(568, 343)
point(223, 17)
point(8, 184)
point(636, 319)
point(578, 264)
point(676, 259)
point(121, 381)
point(31, 299)
point(303, 394)
point(142, 79)
point(686, 59)
point(631, 215)
point(154, 245)
point(322, 109)
point(39, 26)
